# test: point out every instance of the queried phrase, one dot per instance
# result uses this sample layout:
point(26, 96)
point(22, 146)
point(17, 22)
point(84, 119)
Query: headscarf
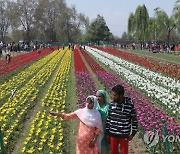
point(106, 104)
point(92, 118)
point(102, 92)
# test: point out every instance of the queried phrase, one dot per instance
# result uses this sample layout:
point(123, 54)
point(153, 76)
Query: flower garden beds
point(150, 91)
point(21, 60)
point(168, 68)
point(84, 83)
point(46, 132)
point(163, 90)
point(13, 112)
point(151, 117)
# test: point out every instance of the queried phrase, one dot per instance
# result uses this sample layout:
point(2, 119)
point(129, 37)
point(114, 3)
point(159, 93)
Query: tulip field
point(20, 60)
point(41, 81)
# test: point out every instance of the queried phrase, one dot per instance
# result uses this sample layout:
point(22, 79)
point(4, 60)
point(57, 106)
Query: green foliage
point(160, 27)
point(138, 23)
point(124, 36)
point(165, 23)
point(176, 14)
point(131, 24)
point(49, 20)
point(98, 30)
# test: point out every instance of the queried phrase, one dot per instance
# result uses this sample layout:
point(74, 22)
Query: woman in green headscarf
point(103, 107)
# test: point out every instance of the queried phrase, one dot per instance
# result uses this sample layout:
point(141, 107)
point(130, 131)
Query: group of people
point(154, 46)
point(7, 51)
point(104, 126)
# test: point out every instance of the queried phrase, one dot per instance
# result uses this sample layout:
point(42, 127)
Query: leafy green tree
point(124, 36)
point(164, 23)
point(138, 23)
point(141, 22)
point(131, 24)
point(99, 31)
point(176, 15)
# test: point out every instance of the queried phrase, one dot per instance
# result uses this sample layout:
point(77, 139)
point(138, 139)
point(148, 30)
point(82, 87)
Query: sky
point(116, 12)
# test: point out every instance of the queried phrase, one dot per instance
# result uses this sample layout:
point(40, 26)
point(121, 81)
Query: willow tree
point(165, 22)
point(176, 14)
point(151, 30)
point(131, 24)
point(138, 23)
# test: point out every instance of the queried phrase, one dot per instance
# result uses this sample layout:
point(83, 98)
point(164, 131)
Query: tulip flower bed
point(21, 60)
point(84, 84)
point(167, 97)
point(14, 111)
point(150, 117)
point(46, 132)
point(18, 80)
point(168, 68)
point(42, 87)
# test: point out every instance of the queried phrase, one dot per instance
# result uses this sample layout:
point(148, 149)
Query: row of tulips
point(84, 83)
point(150, 116)
point(170, 69)
point(164, 81)
point(18, 80)
point(21, 60)
point(46, 132)
point(14, 111)
point(166, 98)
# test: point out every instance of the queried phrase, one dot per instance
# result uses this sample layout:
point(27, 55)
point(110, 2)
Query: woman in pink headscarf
point(90, 131)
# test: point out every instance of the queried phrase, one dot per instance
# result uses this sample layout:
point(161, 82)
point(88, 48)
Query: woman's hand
point(92, 143)
point(55, 114)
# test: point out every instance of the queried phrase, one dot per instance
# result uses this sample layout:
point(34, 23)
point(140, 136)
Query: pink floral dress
point(85, 136)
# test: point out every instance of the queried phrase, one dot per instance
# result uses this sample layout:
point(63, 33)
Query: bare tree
point(4, 18)
point(25, 15)
point(47, 15)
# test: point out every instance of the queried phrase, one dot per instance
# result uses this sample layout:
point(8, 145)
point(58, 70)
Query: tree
point(98, 30)
point(165, 22)
point(141, 22)
point(138, 23)
point(151, 34)
point(58, 22)
point(131, 24)
point(22, 16)
point(26, 12)
point(124, 36)
point(4, 18)
point(176, 14)
point(48, 14)
point(71, 24)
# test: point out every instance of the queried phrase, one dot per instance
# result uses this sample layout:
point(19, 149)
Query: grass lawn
point(171, 57)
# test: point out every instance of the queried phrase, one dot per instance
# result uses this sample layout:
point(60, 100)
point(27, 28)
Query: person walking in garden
point(90, 131)
point(0, 51)
point(8, 56)
point(122, 123)
point(102, 107)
